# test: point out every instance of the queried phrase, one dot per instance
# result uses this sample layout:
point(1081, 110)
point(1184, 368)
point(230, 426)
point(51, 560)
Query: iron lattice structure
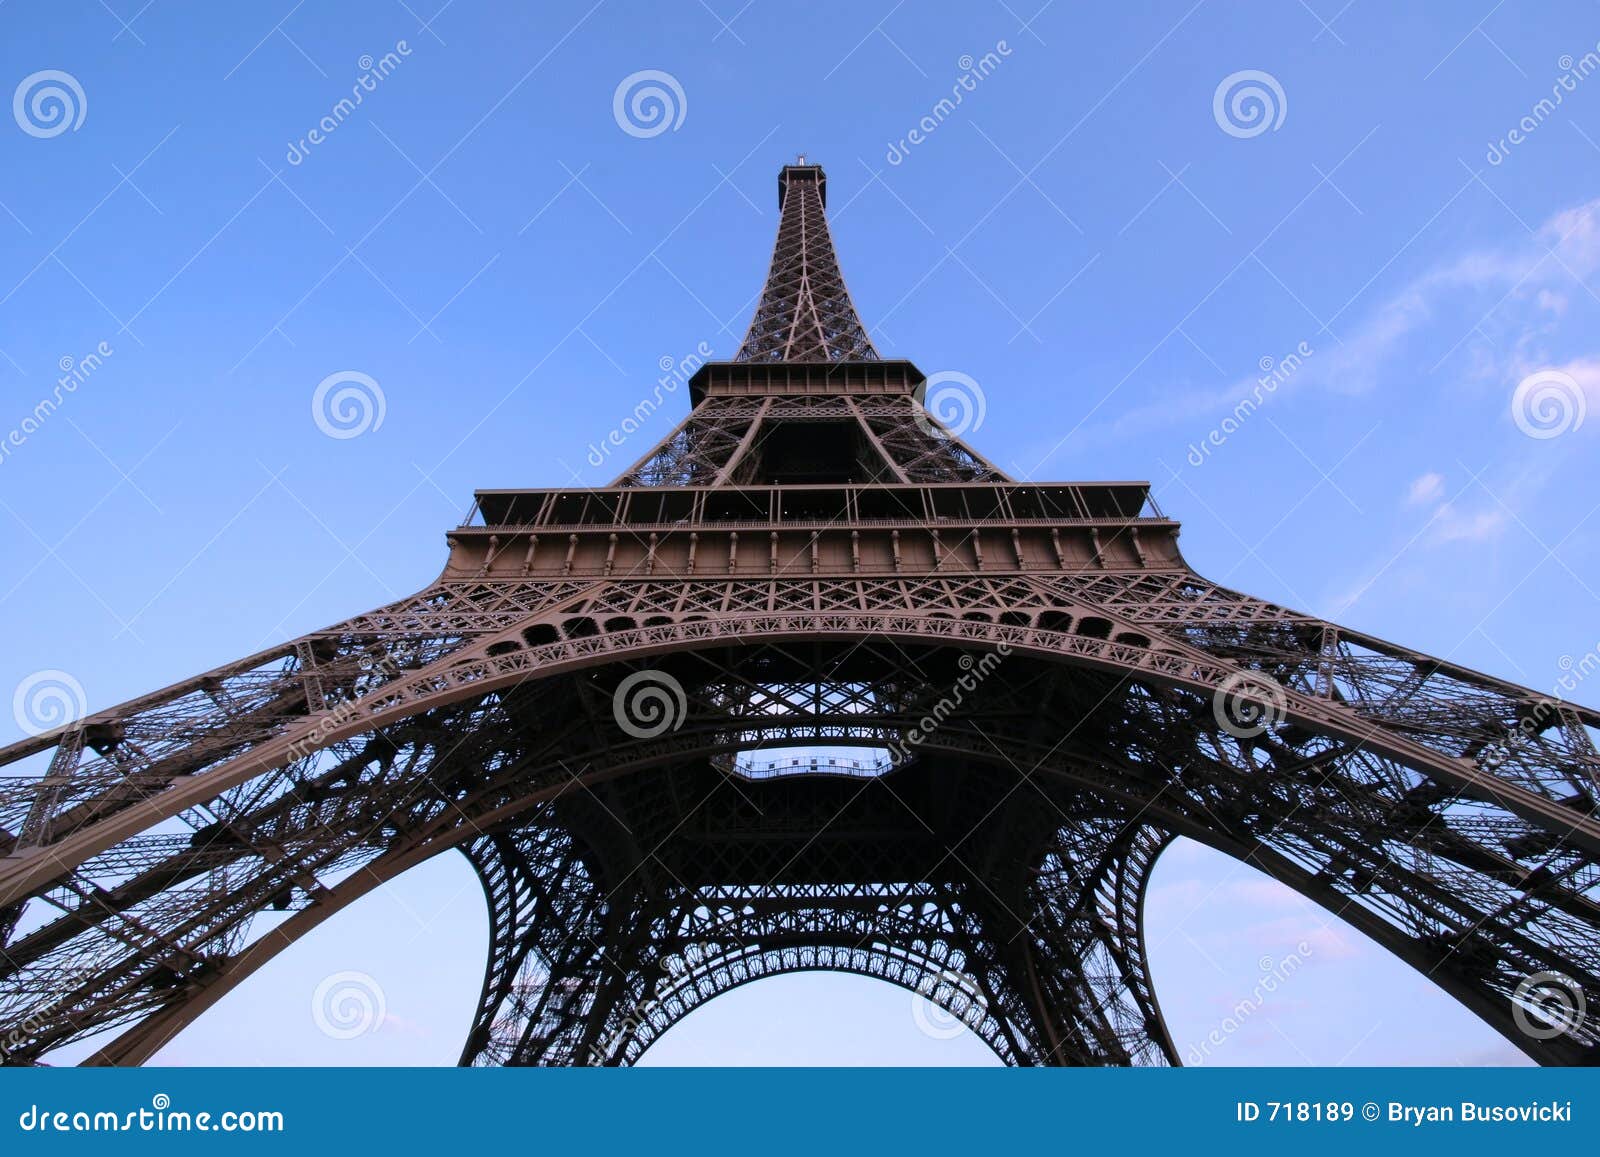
point(809, 561)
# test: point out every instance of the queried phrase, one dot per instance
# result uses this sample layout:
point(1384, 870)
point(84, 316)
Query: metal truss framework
point(805, 313)
point(810, 559)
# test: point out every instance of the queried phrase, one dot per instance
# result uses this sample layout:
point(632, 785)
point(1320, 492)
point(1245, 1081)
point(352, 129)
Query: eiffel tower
point(626, 706)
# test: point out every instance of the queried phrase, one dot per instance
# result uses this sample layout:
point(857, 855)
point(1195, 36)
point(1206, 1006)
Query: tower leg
point(559, 962)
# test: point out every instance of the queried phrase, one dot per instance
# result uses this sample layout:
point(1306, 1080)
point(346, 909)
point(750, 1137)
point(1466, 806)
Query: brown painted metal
point(811, 559)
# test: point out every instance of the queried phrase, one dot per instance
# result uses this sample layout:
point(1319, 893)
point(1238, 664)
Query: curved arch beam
point(1489, 1004)
point(918, 975)
point(139, 1043)
point(142, 1040)
point(455, 680)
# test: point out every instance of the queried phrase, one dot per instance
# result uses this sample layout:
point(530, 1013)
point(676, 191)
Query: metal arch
point(1354, 877)
point(1092, 938)
point(918, 975)
point(1320, 654)
point(917, 938)
point(1194, 824)
point(539, 897)
point(479, 668)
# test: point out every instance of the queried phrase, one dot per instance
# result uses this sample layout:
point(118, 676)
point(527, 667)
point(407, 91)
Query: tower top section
point(805, 313)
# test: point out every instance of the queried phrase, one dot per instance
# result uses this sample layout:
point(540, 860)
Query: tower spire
point(805, 313)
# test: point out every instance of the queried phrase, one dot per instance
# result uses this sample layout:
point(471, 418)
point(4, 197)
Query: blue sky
point(1082, 236)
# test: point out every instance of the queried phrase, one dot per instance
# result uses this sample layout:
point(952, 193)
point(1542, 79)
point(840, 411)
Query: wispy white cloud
point(1585, 371)
point(1551, 302)
point(1425, 489)
point(1453, 524)
point(1517, 291)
